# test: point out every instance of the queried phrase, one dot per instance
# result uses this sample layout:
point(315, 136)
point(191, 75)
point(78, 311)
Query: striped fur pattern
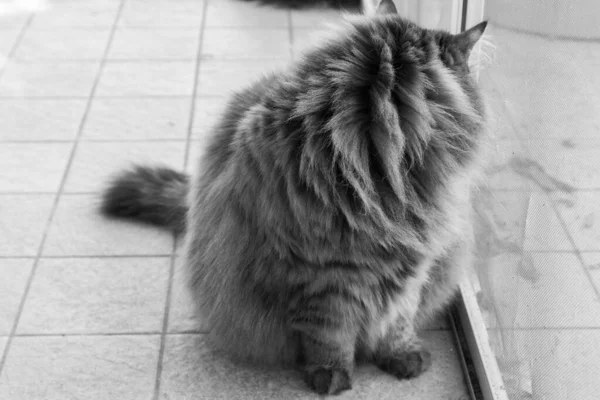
point(330, 215)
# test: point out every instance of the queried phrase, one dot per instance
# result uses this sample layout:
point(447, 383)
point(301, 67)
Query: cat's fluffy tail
point(301, 4)
point(155, 195)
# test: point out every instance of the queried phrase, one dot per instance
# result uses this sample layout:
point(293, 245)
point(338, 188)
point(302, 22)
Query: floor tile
point(73, 13)
point(162, 13)
point(15, 273)
point(23, 220)
point(147, 79)
point(196, 151)
point(8, 38)
point(230, 43)
point(592, 264)
point(207, 112)
point(57, 79)
point(63, 44)
point(3, 341)
point(315, 18)
point(182, 315)
point(40, 119)
point(191, 369)
point(581, 220)
point(563, 362)
point(307, 38)
point(154, 44)
point(96, 163)
point(96, 295)
point(33, 167)
point(78, 229)
point(554, 293)
point(14, 17)
point(238, 14)
point(141, 118)
point(83, 367)
point(222, 78)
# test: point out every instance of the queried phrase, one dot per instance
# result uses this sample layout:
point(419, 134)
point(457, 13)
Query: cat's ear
point(465, 41)
point(386, 7)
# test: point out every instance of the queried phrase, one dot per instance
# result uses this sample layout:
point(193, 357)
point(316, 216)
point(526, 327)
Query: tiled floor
point(545, 318)
point(96, 309)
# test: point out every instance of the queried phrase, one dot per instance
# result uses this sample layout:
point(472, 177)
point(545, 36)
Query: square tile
point(57, 79)
point(154, 44)
point(315, 18)
point(96, 163)
point(137, 118)
point(33, 167)
point(236, 14)
point(3, 341)
point(24, 218)
point(207, 112)
point(63, 44)
point(556, 293)
point(80, 367)
point(74, 13)
point(78, 229)
point(147, 79)
point(563, 363)
point(196, 150)
point(592, 264)
point(14, 16)
point(229, 43)
point(8, 38)
point(162, 13)
point(182, 314)
point(191, 367)
point(222, 78)
point(97, 295)
point(40, 119)
point(306, 39)
point(581, 220)
point(15, 273)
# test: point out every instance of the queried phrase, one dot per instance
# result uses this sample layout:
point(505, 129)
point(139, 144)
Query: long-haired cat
point(330, 215)
point(302, 4)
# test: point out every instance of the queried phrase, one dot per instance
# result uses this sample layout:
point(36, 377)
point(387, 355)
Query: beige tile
point(8, 37)
point(63, 44)
point(207, 112)
point(222, 78)
point(58, 79)
point(23, 220)
point(81, 367)
point(230, 43)
point(15, 19)
point(97, 295)
point(592, 264)
point(191, 367)
point(3, 341)
point(556, 293)
point(40, 119)
point(154, 44)
point(238, 14)
point(563, 363)
point(182, 315)
point(141, 118)
point(162, 13)
point(96, 163)
point(315, 18)
point(146, 79)
point(581, 219)
point(74, 13)
point(15, 273)
point(33, 167)
point(78, 229)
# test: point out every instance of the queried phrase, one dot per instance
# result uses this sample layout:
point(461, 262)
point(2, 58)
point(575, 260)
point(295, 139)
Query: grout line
point(58, 195)
point(16, 44)
point(161, 353)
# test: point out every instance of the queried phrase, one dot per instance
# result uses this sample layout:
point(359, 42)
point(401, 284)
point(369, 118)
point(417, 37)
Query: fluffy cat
point(330, 216)
point(301, 4)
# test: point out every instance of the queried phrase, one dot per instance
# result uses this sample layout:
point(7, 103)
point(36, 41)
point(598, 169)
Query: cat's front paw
point(329, 380)
point(407, 365)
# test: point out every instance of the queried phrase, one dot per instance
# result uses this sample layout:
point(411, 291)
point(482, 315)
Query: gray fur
point(332, 206)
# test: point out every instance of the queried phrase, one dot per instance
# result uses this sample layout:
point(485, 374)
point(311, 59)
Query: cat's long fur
point(302, 4)
point(330, 213)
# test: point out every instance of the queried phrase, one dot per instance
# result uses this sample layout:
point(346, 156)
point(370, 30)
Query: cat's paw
point(407, 365)
point(329, 380)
